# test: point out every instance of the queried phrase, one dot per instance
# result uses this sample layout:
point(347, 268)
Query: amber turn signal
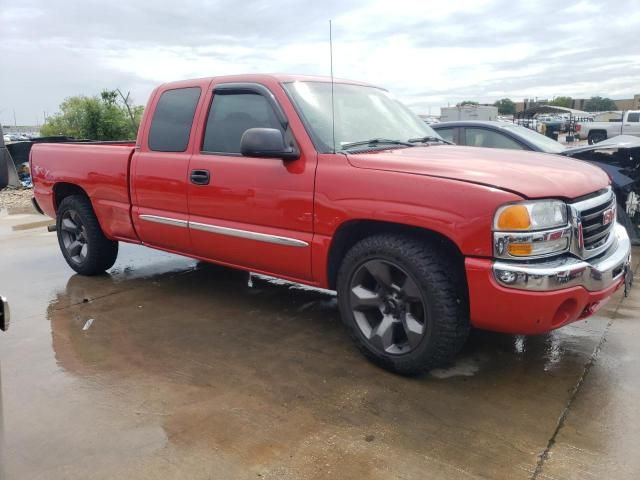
point(520, 249)
point(515, 217)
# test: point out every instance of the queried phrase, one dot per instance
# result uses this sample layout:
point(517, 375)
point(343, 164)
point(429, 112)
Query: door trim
point(165, 220)
point(261, 237)
point(230, 232)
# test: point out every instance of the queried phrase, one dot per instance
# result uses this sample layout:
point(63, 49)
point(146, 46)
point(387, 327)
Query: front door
point(255, 213)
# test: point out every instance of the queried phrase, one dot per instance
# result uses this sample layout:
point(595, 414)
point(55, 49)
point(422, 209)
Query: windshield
point(361, 114)
point(545, 144)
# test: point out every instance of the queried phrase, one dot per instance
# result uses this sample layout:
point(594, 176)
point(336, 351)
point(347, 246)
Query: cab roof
point(262, 78)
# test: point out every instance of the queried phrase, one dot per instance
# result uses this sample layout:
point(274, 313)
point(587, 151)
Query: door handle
point(200, 177)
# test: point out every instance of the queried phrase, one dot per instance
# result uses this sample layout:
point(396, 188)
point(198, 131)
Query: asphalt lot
point(169, 368)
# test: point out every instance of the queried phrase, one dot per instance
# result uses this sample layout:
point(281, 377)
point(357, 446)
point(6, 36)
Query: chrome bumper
point(568, 271)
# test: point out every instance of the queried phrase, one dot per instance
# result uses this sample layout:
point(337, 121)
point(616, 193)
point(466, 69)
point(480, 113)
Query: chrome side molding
point(230, 232)
point(165, 220)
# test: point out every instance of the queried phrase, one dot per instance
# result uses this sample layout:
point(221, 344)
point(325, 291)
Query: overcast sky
point(429, 53)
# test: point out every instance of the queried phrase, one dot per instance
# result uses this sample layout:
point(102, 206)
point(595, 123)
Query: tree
point(467, 102)
point(506, 106)
point(103, 117)
point(600, 104)
point(566, 102)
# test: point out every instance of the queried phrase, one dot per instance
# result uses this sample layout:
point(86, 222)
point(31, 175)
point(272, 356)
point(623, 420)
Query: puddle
point(465, 367)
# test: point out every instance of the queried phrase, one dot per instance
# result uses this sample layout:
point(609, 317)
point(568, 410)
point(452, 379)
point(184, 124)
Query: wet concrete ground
point(168, 368)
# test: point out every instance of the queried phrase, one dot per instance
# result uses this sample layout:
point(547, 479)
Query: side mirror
point(266, 142)
point(4, 314)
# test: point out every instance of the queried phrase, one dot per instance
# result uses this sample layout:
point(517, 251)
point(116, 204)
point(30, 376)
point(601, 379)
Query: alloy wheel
point(74, 236)
point(388, 306)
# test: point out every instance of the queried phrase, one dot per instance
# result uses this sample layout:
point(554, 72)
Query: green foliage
point(467, 102)
point(566, 102)
point(104, 117)
point(506, 106)
point(599, 104)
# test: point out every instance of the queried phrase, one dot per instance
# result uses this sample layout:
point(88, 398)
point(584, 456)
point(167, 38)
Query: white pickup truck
point(598, 131)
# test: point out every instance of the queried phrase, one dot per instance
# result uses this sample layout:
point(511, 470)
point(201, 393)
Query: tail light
point(578, 127)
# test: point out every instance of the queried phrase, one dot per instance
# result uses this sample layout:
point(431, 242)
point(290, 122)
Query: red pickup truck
point(342, 187)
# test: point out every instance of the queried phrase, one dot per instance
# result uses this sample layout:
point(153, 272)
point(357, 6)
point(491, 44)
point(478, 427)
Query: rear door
point(159, 169)
point(254, 213)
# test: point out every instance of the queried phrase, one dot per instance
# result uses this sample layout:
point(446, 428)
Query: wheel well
point(352, 232)
point(63, 190)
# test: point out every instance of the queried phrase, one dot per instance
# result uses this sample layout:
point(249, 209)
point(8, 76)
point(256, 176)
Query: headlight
point(535, 215)
point(531, 229)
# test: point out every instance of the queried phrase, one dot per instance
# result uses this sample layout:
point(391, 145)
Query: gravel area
point(15, 198)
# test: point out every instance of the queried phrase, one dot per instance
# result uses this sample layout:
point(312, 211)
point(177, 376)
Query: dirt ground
point(15, 198)
point(171, 368)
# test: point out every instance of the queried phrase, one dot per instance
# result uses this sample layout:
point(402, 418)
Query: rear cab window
point(172, 119)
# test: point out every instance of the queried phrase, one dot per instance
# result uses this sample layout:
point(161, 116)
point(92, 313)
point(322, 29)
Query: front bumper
point(569, 271)
point(544, 296)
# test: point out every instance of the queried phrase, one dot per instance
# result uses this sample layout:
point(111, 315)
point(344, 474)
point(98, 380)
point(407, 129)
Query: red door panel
point(265, 196)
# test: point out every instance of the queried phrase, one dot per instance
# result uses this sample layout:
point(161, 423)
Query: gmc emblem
point(607, 216)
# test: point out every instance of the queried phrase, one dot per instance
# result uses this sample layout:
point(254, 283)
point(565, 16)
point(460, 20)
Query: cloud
point(429, 53)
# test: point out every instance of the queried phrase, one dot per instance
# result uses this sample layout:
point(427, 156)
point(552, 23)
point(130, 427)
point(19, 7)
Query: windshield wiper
point(375, 142)
point(429, 139)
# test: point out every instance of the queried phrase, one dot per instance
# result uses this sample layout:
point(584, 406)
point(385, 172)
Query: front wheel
point(83, 244)
point(404, 303)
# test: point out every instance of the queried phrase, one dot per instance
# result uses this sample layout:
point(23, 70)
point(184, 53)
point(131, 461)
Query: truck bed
point(101, 169)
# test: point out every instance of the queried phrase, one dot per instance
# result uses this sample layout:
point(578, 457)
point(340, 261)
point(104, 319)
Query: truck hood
point(529, 174)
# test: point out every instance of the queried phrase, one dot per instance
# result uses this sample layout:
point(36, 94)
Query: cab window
point(232, 114)
point(633, 117)
point(172, 120)
point(481, 137)
point(447, 134)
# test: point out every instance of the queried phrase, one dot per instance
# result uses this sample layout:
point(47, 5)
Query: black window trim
point(193, 119)
point(234, 88)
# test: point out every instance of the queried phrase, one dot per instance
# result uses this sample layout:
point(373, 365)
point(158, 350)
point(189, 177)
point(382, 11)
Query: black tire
point(595, 137)
point(82, 242)
point(443, 303)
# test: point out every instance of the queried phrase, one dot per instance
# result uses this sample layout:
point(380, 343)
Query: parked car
point(420, 239)
point(598, 131)
point(5, 315)
point(619, 157)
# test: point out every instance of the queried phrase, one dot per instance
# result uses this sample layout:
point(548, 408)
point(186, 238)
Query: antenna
point(333, 111)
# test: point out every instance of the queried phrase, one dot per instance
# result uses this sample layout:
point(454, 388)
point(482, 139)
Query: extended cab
point(342, 187)
point(598, 131)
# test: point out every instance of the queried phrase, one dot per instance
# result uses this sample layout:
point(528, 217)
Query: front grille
point(595, 232)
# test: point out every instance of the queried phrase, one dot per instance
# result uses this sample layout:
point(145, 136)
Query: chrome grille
point(593, 228)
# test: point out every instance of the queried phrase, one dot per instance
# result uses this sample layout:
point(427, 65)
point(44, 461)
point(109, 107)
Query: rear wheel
point(83, 244)
point(404, 303)
point(596, 137)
